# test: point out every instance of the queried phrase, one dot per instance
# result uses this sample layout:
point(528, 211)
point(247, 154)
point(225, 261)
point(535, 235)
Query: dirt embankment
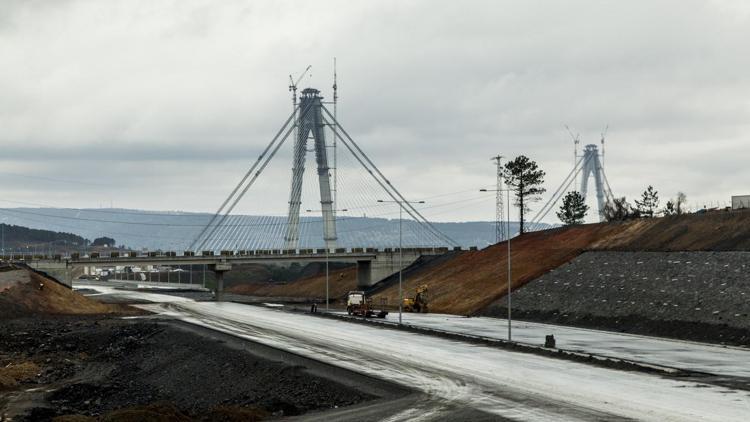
point(24, 292)
point(341, 281)
point(474, 279)
point(111, 369)
point(469, 281)
point(712, 231)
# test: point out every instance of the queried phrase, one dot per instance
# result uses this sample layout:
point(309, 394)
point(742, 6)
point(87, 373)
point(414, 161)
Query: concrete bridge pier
point(385, 264)
point(364, 273)
point(219, 269)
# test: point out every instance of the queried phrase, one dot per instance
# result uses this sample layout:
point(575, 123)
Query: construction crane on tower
point(589, 164)
point(576, 140)
point(293, 84)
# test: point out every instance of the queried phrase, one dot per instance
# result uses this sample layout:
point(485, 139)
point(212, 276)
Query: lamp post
point(507, 227)
point(400, 252)
point(2, 236)
point(327, 251)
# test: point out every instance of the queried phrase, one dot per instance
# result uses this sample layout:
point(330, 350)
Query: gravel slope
point(701, 296)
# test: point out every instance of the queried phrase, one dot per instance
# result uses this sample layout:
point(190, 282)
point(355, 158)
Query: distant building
point(741, 202)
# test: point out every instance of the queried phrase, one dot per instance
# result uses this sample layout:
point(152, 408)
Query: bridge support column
point(219, 270)
point(219, 286)
point(364, 274)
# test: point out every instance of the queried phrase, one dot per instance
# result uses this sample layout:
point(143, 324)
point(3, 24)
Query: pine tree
point(524, 177)
point(649, 202)
point(573, 209)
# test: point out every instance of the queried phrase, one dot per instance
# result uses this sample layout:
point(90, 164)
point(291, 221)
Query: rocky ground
point(702, 296)
point(107, 368)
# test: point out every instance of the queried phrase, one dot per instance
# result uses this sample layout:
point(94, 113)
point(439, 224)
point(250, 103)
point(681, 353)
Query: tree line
point(525, 180)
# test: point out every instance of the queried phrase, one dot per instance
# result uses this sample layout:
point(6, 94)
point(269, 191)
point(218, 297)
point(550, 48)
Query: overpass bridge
point(372, 264)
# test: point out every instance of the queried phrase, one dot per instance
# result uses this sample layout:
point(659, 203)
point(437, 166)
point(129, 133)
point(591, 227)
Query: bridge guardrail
point(76, 256)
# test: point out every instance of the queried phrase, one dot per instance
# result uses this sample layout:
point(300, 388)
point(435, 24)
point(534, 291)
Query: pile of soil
point(134, 369)
point(24, 292)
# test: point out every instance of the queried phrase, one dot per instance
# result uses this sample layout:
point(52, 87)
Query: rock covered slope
point(703, 296)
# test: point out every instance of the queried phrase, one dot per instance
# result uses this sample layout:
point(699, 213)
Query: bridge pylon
point(310, 125)
point(592, 166)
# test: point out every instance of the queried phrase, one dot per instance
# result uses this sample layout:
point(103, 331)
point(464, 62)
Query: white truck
point(357, 303)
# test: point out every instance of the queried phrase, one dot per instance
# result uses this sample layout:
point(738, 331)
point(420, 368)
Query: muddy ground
point(150, 369)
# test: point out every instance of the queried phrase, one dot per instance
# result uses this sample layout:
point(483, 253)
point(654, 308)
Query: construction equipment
point(293, 85)
point(359, 304)
point(418, 303)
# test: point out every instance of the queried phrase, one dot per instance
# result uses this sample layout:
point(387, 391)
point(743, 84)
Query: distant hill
point(27, 239)
point(175, 230)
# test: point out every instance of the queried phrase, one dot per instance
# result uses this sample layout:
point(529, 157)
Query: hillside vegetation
point(18, 236)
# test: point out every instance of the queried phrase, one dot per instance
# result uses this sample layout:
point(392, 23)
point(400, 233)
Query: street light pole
point(400, 263)
point(507, 231)
point(327, 260)
point(400, 254)
point(507, 222)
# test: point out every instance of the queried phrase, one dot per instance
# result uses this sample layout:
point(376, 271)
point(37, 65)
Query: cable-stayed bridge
point(346, 180)
point(230, 239)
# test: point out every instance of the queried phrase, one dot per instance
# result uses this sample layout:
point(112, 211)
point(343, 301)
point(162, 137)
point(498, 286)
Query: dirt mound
point(341, 281)
point(24, 292)
point(712, 231)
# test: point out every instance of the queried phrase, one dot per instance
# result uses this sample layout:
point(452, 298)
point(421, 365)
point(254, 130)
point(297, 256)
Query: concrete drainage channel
point(556, 353)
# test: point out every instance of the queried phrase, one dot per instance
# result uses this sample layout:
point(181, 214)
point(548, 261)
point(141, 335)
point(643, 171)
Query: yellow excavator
point(418, 303)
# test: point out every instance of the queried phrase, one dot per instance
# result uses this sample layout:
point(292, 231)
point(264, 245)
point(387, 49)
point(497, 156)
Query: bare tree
point(669, 209)
point(619, 210)
point(679, 203)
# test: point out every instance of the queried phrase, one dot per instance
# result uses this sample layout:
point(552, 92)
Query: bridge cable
point(536, 221)
point(257, 173)
point(403, 203)
point(410, 211)
point(244, 178)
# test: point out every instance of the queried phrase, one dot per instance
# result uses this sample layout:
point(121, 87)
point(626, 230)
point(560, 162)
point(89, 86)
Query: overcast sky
point(163, 105)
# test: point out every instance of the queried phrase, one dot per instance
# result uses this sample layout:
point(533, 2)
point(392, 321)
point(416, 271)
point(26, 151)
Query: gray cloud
point(168, 103)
